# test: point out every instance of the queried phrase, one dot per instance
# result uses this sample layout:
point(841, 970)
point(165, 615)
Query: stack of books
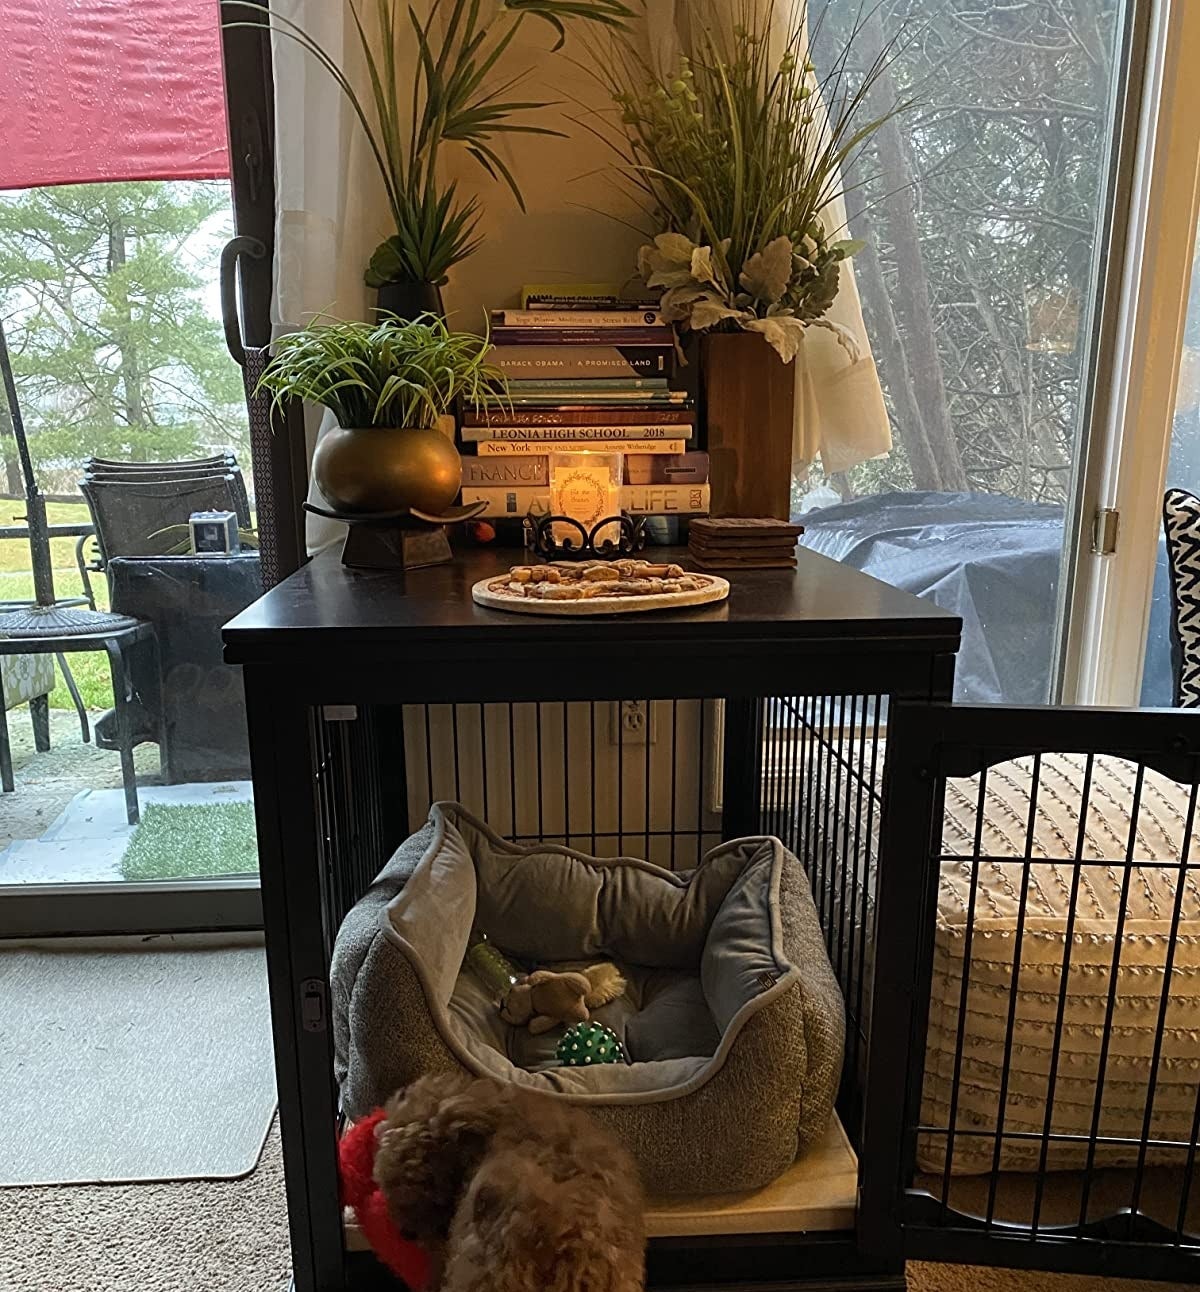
point(586, 371)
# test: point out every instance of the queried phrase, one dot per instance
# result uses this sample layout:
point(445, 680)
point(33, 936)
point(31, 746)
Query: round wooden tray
point(715, 589)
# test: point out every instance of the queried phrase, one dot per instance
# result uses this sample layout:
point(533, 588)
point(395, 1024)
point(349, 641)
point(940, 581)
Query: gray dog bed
point(733, 1021)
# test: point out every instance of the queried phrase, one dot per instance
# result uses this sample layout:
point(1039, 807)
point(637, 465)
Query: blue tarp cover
point(993, 560)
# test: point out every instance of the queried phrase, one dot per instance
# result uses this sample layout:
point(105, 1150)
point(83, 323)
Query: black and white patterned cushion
point(1181, 524)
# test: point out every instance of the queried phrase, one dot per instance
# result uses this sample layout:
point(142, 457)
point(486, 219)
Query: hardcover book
point(638, 500)
point(666, 463)
point(597, 434)
point(587, 296)
point(514, 469)
point(630, 316)
point(575, 388)
point(586, 293)
point(622, 336)
point(528, 448)
point(581, 415)
point(580, 361)
point(666, 468)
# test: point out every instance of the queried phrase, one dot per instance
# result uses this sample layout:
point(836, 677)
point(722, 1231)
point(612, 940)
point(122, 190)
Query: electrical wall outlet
point(633, 723)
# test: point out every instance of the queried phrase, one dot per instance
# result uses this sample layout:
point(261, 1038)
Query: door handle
point(230, 253)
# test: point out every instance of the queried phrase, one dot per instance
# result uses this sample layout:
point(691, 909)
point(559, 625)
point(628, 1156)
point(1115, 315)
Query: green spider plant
point(736, 154)
point(385, 374)
point(453, 99)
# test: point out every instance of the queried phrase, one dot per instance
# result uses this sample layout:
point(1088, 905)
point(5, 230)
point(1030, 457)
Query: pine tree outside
point(110, 301)
point(984, 210)
point(109, 295)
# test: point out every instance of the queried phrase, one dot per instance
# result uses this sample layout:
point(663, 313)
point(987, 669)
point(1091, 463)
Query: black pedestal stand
point(397, 540)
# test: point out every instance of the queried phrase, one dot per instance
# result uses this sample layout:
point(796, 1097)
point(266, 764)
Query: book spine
point(506, 472)
point(588, 293)
point(552, 319)
point(666, 499)
point(594, 434)
point(622, 336)
point(684, 468)
point(638, 500)
point(583, 361)
point(667, 462)
point(545, 302)
point(598, 405)
point(577, 388)
point(577, 415)
point(525, 448)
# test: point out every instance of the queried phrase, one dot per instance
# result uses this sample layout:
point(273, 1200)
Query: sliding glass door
point(127, 802)
point(989, 206)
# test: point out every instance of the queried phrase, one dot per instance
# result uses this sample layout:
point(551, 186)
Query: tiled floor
point(86, 842)
point(65, 824)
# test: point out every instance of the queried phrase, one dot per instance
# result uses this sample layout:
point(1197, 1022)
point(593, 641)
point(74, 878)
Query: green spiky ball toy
point(586, 1044)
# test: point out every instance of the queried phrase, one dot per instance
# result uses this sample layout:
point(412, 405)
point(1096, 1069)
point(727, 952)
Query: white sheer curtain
point(332, 213)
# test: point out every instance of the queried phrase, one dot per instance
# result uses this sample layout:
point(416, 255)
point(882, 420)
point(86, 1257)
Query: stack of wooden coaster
point(740, 543)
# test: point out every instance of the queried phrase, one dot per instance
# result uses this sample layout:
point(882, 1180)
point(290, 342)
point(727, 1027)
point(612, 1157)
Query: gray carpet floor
point(196, 1236)
point(122, 1065)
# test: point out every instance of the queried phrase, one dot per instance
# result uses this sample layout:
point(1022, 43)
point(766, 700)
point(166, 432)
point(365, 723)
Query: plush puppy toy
point(546, 999)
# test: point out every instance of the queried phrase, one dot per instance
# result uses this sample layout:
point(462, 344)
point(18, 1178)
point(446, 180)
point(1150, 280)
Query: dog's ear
point(428, 1150)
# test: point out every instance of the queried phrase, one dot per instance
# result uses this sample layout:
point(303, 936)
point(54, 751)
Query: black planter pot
point(410, 300)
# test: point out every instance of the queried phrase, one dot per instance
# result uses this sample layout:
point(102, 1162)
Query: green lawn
point(16, 583)
point(191, 841)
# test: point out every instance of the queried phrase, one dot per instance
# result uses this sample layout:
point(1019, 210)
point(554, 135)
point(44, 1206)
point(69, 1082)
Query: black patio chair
point(131, 515)
point(126, 510)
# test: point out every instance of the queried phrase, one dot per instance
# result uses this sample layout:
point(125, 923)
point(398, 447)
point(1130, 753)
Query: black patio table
point(116, 635)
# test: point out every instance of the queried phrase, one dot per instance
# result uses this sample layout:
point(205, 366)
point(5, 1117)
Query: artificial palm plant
point(453, 98)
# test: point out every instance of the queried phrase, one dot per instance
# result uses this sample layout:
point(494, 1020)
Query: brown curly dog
point(511, 1190)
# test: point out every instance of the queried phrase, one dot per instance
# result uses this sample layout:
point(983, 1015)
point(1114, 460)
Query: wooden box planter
point(749, 410)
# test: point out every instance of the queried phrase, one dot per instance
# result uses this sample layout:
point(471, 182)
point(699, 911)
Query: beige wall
point(580, 765)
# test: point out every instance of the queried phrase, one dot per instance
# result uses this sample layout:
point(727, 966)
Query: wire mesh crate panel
point(574, 773)
point(349, 805)
point(1064, 1020)
point(823, 759)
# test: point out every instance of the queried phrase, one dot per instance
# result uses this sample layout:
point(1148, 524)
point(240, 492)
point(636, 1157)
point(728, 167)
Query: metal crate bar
point(1060, 963)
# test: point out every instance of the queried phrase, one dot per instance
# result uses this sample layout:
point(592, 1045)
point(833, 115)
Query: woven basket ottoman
point(733, 1021)
point(1034, 989)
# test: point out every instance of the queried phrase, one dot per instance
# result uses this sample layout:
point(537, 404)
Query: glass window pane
point(135, 419)
point(982, 206)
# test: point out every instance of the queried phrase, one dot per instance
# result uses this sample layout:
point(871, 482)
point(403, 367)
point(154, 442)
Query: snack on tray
point(583, 580)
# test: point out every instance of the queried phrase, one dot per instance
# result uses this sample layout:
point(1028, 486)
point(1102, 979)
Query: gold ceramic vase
point(387, 469)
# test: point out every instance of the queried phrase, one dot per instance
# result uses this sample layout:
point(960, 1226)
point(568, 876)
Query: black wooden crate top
point(820, 603)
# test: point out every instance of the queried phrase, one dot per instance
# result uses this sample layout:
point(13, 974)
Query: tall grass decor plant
point(736, 155)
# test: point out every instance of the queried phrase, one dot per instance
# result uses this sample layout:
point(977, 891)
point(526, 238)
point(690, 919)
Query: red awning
point(110, 90)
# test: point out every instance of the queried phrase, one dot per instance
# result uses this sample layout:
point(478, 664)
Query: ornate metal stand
point(631, 538)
